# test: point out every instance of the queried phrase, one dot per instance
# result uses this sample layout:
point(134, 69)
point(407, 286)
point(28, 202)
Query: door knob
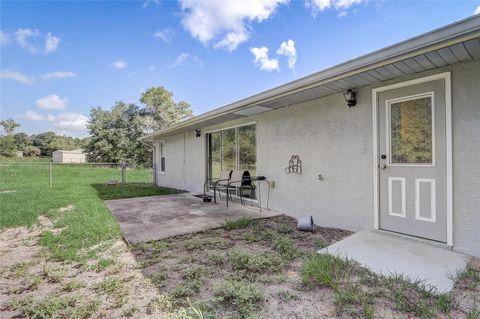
point(383, 156)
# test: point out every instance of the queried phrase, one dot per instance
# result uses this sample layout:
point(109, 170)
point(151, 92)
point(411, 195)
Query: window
point(411, 128)
point(162, 157)
point(232, 149)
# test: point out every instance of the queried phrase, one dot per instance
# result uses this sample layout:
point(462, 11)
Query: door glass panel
point(411, 131)
point(215, 156)
point(229, 154)
point(247, 157)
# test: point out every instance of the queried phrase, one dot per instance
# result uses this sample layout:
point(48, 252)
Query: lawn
point(25, 194)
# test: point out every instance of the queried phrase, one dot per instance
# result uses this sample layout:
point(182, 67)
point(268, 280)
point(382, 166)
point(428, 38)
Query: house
point(73, 156)
point(19, 154)
point(401, 155)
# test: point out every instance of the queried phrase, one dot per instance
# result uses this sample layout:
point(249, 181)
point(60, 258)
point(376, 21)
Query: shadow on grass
point(131, 190)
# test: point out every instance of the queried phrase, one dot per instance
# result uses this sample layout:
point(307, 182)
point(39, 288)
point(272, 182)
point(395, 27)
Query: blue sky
point(60, 58)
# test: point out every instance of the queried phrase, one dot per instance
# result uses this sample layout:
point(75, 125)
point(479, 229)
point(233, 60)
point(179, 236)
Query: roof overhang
point(448, 45)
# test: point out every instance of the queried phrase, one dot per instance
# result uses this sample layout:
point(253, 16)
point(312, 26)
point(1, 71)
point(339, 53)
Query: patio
point(158, 217)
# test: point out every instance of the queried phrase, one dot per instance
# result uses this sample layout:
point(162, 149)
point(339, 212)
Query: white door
point(412, 151)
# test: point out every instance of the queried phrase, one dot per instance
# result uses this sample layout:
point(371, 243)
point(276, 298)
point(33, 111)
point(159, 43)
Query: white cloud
point(263, 61)
point(31, 116)
point(16, 76)
point(146, 3)
point(52, 102)
point(58, 75)
point(179, 61)
point(69, 121)
point(4, 38)
point(477, 10)
point(119, 64)
point(51, 43)
point(22, 36)
point(198, 61)
point(165, 35)
point(321, 5)
point(225, 23)
point(288, 49)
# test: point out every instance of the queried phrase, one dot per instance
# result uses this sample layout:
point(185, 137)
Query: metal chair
point(219, 184)
point(240, 180)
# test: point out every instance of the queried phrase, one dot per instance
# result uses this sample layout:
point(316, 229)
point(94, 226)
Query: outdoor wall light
point(197, 133)
point(350, 97)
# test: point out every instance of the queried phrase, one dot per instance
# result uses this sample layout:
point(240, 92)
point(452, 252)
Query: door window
point(411, 127)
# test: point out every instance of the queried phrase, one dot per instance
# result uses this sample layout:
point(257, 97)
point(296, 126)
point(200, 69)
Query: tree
point(22, 140)
point(7, 143)
point(161, 110)
point(114, 135)
point(31, 151)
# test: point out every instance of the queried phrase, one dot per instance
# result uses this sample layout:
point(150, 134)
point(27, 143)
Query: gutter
point(449, 35)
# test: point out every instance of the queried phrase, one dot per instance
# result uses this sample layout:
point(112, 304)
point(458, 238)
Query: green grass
point(88, 223)
point(237, 223)
point(130, 190)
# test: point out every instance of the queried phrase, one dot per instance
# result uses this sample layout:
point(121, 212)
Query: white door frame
point(448, 147)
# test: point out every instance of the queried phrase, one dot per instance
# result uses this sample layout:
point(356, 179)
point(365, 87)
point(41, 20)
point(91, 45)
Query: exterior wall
point(336, 142)
point(61, 157)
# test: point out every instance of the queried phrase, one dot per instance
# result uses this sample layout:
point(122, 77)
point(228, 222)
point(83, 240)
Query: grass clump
point(285, 247)
point(237, 223)
point(73, 285)
point(216, 258)
point(114, 288)
point(255, 263)
point(103, 264)
point(193, 279)
point(158, 278)
point(207, 243)
point(324, 270)
point(55, 306)
point(244, 296)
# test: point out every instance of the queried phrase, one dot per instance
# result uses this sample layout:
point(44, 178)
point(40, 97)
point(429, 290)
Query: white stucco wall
point(336, 142)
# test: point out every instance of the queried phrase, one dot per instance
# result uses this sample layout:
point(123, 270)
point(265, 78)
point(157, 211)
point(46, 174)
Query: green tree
point(161, 110)
point(31, 151)
point(114, 135)
point(7, 142)
point(22, 140)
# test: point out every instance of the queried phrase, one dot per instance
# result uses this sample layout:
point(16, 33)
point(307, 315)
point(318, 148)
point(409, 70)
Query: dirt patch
point(252, 269)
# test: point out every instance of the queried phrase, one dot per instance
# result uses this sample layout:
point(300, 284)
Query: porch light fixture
point(197, 133)
point(350, 97)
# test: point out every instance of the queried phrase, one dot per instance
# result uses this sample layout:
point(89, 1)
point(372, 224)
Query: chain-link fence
point(57, 175)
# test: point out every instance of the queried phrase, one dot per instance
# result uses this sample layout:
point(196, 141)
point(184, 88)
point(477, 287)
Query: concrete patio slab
point(387, 254)
point(158, 217)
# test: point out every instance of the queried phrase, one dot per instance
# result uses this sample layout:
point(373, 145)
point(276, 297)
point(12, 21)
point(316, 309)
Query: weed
point(255, 263)
point(474, 314)
point(207, 243)
point(285, 247)
point(114, 287)
point(162, 303)
point(351, 297)
point(158, 278)
point(52, 275)
point(469, 278)
point(215, 258)
point(246, 297)
point(284, 228)
point(324, 270)
point(444, 302)
point(287, 295)
point(129, 312)
point(103, 264)
point(193, 280)
point(320, 243)
point(73, 285)
point(237, 223)
point(58, 307)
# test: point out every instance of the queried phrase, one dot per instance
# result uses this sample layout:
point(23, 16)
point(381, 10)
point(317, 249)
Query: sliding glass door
point(232, 149)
